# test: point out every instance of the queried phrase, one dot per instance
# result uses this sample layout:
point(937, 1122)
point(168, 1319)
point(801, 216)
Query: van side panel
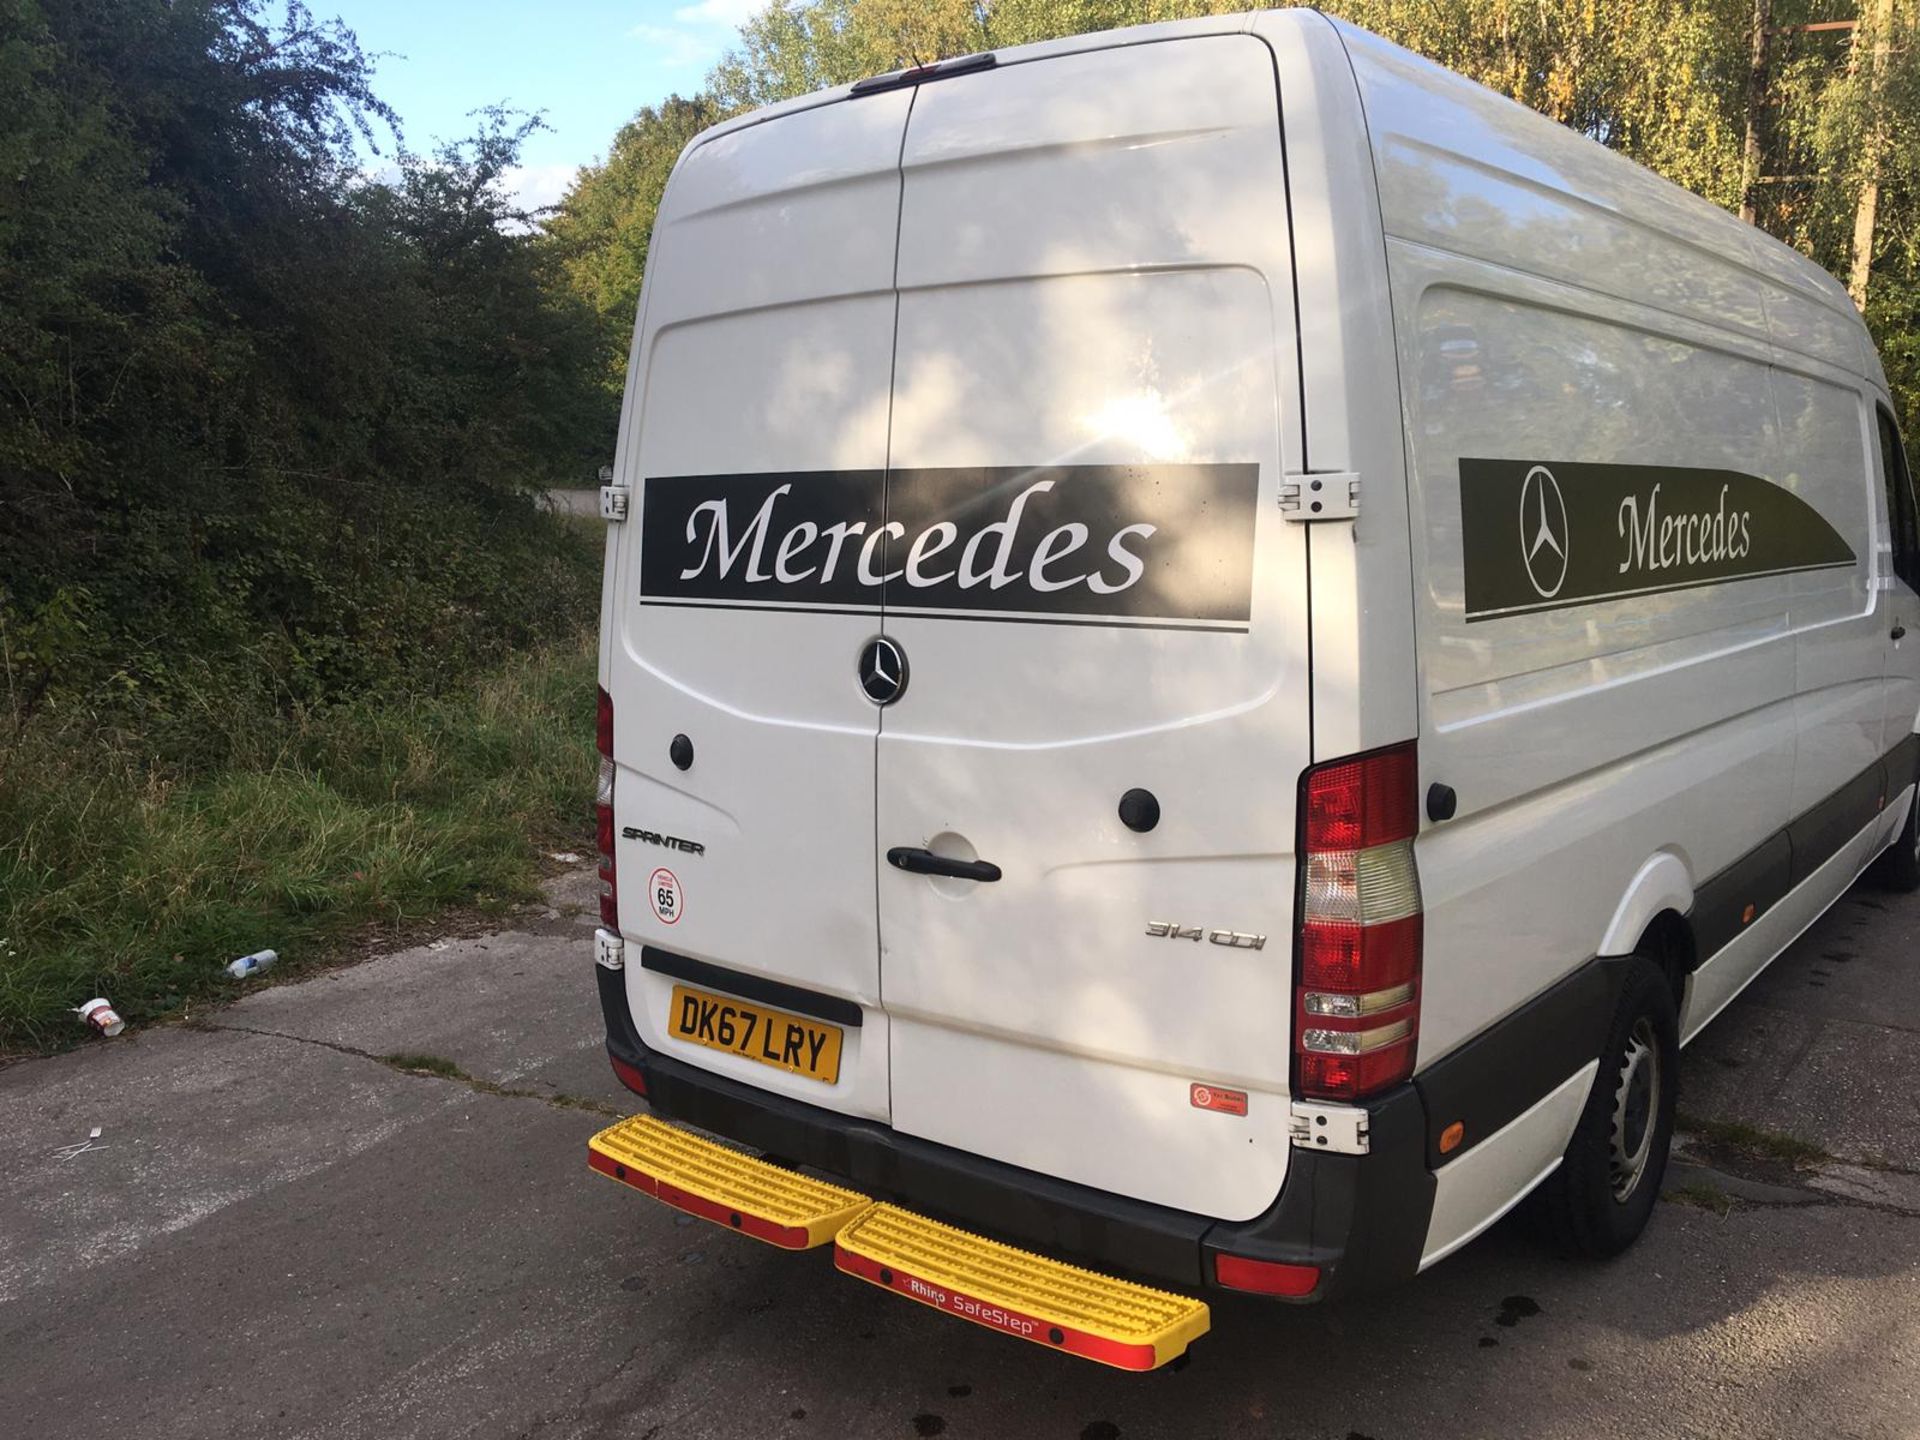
point(1565, 315)
point(1583, 739)
point(1644, 557)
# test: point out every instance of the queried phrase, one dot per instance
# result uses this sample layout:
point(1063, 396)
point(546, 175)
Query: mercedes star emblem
point(1543, 531)
point(883, 670)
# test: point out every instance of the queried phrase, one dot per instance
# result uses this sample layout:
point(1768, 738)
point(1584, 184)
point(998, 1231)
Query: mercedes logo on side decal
point(1543, 531)
point(883, 670)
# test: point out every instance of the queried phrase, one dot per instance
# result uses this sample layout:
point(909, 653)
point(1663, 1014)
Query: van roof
point(1607, 180)
point(1230, 24)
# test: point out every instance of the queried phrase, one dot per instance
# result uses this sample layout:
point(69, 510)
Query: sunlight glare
point(1140, 420)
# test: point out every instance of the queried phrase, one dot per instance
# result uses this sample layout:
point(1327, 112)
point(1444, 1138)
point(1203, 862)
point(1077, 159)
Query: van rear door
point(756, 451)
point(1095, 593)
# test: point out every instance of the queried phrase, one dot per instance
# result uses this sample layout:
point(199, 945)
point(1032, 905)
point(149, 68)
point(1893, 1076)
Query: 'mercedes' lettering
point(1654, 541)
point(1096, 541)
point(716, 547)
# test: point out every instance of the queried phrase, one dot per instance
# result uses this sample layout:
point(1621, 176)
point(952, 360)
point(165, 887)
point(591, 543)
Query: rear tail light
point(603, 817)
point(1357, 1010)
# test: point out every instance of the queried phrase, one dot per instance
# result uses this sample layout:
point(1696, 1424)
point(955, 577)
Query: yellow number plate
point(773, 1037)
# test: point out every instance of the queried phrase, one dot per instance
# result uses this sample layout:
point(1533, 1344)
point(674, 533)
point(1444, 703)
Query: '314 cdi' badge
point(1234, 939)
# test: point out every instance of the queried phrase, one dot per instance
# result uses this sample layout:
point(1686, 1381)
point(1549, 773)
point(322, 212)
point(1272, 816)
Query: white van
point(1216, 644)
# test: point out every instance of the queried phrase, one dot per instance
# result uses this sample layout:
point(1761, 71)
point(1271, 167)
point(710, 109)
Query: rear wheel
point(1598, 1201)
point(1898, 867)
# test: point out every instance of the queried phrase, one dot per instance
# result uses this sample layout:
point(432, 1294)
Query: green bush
point(270, 434)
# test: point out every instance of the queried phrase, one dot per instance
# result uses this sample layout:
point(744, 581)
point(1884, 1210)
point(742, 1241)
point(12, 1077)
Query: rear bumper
point(1361, 1219)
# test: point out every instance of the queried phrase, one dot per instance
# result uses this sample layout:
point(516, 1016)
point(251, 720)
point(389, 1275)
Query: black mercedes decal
point(1544, 535)
point(1101, 544)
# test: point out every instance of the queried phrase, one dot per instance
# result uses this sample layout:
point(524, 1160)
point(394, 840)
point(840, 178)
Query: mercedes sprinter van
point(1217, 643)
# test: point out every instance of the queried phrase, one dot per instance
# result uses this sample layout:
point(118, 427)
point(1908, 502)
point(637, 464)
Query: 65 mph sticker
point(663, 891)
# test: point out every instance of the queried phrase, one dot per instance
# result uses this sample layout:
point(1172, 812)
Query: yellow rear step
point(740, 1191)
point(1113, 1321)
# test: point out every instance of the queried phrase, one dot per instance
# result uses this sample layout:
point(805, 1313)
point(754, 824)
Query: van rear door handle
point(925, 862)
point(1898, 630)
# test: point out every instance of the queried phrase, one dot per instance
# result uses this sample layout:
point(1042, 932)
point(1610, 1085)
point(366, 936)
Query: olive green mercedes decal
point(1543, 535)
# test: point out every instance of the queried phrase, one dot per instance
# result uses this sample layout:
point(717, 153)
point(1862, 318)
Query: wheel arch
point(1653, 919)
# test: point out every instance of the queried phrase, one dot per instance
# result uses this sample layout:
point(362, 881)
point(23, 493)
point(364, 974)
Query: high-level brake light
point(603, 816)
point(921, 74)
point(1357, 1011)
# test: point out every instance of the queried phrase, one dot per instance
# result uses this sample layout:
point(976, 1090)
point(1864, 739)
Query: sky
point(589, 64)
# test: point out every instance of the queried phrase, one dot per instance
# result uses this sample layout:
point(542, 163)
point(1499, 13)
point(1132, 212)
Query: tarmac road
point(279, 1233)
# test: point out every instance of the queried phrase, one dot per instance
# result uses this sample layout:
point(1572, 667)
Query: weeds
point(441, 1068)
point(1701, 1196)
point(425, 1065)
point(113, 882)
point(1753, 1141)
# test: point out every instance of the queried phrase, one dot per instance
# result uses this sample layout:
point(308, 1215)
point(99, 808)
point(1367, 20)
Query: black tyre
point(1898, 867)
point(1598, 1201)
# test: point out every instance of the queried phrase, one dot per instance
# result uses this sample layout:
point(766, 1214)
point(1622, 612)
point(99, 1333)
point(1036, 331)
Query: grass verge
point(141, 890)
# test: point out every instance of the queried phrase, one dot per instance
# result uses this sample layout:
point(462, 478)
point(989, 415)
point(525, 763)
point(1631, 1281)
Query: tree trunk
point(1756, 98)
point(1866, 213)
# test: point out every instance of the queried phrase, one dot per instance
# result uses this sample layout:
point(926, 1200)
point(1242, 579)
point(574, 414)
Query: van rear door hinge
point(609, 950)
point(1320, 495)
point(1339, 1128)
point(613, 503)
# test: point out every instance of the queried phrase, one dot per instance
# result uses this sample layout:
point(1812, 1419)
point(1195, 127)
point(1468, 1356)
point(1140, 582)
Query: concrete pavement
point(281, 1232)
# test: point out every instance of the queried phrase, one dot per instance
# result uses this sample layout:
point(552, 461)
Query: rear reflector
point(1357, 1002)
point(631, 1076)
point(1265, 1277)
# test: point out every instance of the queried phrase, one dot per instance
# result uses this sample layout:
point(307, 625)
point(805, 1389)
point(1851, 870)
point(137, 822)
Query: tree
point(267, 430)
point(599, 233)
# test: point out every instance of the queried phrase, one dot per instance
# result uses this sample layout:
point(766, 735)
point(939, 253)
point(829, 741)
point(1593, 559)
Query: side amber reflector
point(1451, 1137)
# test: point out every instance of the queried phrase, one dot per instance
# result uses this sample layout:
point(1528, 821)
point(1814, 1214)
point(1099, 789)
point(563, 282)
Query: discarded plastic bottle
point(251, 964)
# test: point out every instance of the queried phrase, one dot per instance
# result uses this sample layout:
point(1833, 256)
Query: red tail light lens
point(1357, 1003)
point(603, 816)
point(1366, 801)
point(1354, 959)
